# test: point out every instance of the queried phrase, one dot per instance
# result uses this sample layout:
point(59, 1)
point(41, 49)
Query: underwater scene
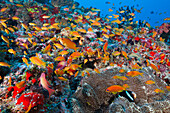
point(84, 56)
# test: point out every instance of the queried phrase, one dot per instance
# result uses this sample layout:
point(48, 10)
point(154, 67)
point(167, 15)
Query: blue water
point(160, 9)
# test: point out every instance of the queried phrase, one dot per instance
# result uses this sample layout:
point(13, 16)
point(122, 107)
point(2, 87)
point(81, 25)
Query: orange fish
point(161, 39)
point(10, 81)
point(136, 66)
point(12, 51)
point(116, 53)
point(25, 61)
point(107, 36)
point(45, 84)
point(82, 74)
point(46, 17)
point(125, 86)
point(115, 16)
point(159, 91)
point(29, 39)
point(124, 54)
point(132, 14)
point(120, 77)
point(37, 61)
point(168, 88)
point(147, 62)
point(33, 24)
point(47, 48)
point(76, 34)
point(5, 39)
point(150, 82)
point(105, 47)
point(148, 24)
point(154, 67)
point(82, 30)
point(75, 55)
point(168, 18)
point(29, 108)
point(15, 18)
point(63, 52)
point(121, 70)
point(110, 10)
point(87, 73)
point(11, 29)
point(59, 58)
point(122, 11)
point(85, 61)
point(115, 88)
point(6, 30)
point(4, 64)
point(59, 72)
point(25, 45)
point(4, 24)
point(90, 29)
point(58, 46)
point(116, 21)
point(24, 26)
point(75, 66)
point(68, 43)
point(96, 23)
point(76, 73)
point(134, 73)
point(62, 78)
point(154, 33)
point(19, 5)
point(96, 70)
point(3, 9)
point(20, 84)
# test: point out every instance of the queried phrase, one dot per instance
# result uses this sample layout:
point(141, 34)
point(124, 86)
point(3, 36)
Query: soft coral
point(30, 98)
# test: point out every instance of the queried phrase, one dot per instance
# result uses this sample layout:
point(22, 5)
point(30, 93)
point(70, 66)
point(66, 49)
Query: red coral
point(34, 80)
point(52, 20)
point(152, 53)
point(10, 88)
point(55, 10)
point(17, 91)
point(28, 75)
point(30, 98)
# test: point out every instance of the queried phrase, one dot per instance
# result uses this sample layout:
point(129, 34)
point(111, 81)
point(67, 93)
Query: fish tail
point(27, 64)
point(76, 49)
point(51, 91)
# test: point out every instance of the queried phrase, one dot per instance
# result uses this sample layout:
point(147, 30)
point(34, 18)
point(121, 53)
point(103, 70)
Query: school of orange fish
point(64, 48)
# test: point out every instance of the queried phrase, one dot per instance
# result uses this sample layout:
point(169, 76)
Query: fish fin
point(51, 91)
point(114, 93)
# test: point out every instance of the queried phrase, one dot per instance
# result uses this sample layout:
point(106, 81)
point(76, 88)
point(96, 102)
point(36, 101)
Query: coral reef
point(59, 57)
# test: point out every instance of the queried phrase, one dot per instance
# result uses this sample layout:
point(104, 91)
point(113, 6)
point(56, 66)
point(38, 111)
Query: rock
point(122, 105)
